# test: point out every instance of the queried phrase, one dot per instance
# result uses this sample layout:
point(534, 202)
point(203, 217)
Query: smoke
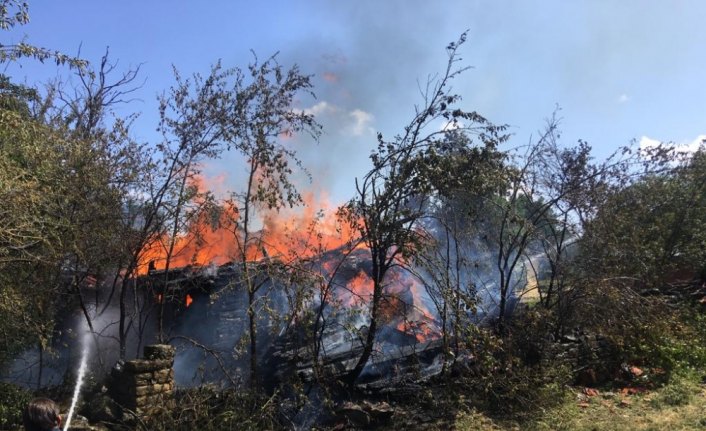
point(51, 366)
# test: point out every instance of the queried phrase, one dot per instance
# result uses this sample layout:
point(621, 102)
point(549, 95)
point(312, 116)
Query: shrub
point(207, 408)
point(679, 392)
point(13, 400)
point(502, 382)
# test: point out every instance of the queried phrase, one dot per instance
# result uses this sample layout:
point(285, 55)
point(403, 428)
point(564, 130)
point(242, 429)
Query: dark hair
point(41, 414)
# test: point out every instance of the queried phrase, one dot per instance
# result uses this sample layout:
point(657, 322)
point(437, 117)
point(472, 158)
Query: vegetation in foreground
point(614, 335)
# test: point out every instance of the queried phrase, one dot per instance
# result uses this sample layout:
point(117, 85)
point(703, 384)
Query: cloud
point(356, 121)
point(646, 143)
point(362, 121)
point(320, 109)
point(684, 147)
point(623, 98)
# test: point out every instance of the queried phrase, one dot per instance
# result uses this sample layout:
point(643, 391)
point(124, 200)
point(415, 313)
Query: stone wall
point(145, 385)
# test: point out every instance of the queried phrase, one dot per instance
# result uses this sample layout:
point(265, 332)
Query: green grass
point(678, 405)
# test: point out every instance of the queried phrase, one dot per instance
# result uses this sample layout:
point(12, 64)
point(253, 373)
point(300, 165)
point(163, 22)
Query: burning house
point(311, 304)
point(208, 306)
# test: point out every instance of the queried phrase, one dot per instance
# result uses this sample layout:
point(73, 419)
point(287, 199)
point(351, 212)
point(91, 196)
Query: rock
point(145, 365)
point(164, 376)
point(159, 351)
point(143, 385)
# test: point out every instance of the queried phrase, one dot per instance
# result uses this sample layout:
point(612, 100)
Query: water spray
point(85, 341)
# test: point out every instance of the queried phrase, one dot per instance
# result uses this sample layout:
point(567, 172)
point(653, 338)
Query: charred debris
point(208, 306)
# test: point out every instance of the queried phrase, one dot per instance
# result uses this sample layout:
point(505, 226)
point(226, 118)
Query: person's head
point(41, 414)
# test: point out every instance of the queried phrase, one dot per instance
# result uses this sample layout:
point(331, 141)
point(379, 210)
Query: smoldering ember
point(250, 252)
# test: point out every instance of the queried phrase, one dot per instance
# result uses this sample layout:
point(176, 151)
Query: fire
point(357, 291)
point(401, 305)
point(286, 235)
point(422, 331)
point(291, 235)
point(418, 318)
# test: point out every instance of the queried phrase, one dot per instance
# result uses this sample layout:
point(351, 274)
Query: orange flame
point(357, 291)
point(289, 235)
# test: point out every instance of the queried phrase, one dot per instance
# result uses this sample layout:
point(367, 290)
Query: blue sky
point(618, 70)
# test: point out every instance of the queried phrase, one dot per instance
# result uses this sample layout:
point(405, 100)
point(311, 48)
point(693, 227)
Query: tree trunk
point(501, 315)
point(379, 270)
point(369, 339)
point(253, 339)
point(122, 335)
point(41, 365)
